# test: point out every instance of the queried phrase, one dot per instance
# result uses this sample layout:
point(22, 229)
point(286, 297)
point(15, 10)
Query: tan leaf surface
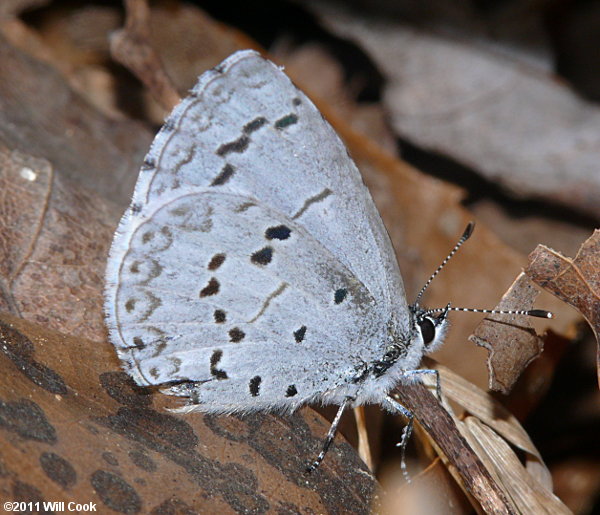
point(574, 280)
point(511, 340)
point(54, 238)
point(75, 138)
point(512, 122)
point(463, 463)
point(526, 493)
point(76, 428)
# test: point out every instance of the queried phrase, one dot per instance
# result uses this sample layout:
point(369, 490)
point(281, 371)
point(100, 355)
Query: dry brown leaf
point(489, 410)
point(526, 493)
point(77, 140)
point(483, 406)
point(464, 465)
point(131, 47)
point(575, 281)
point(151, 47)
point(510, 121)
point(76, 428)
point(511, 340)
point(10, 8)
point(54, 238)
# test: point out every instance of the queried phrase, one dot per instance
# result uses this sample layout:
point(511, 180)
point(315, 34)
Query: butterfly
point(252, 271)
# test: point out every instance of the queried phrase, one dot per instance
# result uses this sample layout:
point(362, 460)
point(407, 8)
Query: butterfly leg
point(427, 371)
point(395, 407)
point(330, 436)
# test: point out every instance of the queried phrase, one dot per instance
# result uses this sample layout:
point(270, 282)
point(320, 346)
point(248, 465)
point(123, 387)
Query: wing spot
point(236, 335)
point(263, 256)
point(220, 316)
point(226, 174)
point(255, 385)
point(138, 342)
point(296, 101)
point(169, 125)
point(216, 261)
point(280, 232)
point(214, 361)
point(299, 334)
point(180, 211)
point(239, 146)
point(340, 295)
point(148, 164)
point(244, 207)
point(212, 288)
point(291, 390)
point(147, 236)
point(154, 372)
point(286, 121)
point(135, 267)
point(255, 124)
point(136, 208)
point(130, 305)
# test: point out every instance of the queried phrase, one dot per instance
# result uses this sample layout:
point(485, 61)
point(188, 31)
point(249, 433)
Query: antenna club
point(468, 231)
point(540, 313)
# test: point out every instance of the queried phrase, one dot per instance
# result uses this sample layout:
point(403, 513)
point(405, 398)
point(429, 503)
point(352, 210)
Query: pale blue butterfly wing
point(252, 270)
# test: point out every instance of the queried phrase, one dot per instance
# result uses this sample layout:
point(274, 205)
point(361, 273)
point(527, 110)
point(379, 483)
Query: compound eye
point(427, 330)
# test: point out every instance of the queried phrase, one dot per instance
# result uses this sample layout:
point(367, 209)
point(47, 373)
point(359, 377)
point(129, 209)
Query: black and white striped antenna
point(539, 313)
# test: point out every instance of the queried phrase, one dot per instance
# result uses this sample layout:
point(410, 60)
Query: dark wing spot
point(135, 267)
point(226, 173)
point(169, 125)
point(130, 305)
point(244, 207)
point(286, 121)
point(138, 342)
point(296, 101)
point(135, 208)
point(148, 164)
point(147, 236)
point(212, 288)
point(262, 256)
point(255, 385)
point(214, 360)
point(236, 335)
point(291, 390)
point(340, 295)
point(299, 334)
point(239, 145)
point(280, 232)
point(216, 261)
point(220, 316)
point(254, 125)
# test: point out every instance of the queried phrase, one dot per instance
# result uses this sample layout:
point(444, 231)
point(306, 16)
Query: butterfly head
point(429, 327)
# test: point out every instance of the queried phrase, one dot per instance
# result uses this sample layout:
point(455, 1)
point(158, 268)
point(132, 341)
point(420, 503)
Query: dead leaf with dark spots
point(575, 281)
point(74, 427)
point(511, 340)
